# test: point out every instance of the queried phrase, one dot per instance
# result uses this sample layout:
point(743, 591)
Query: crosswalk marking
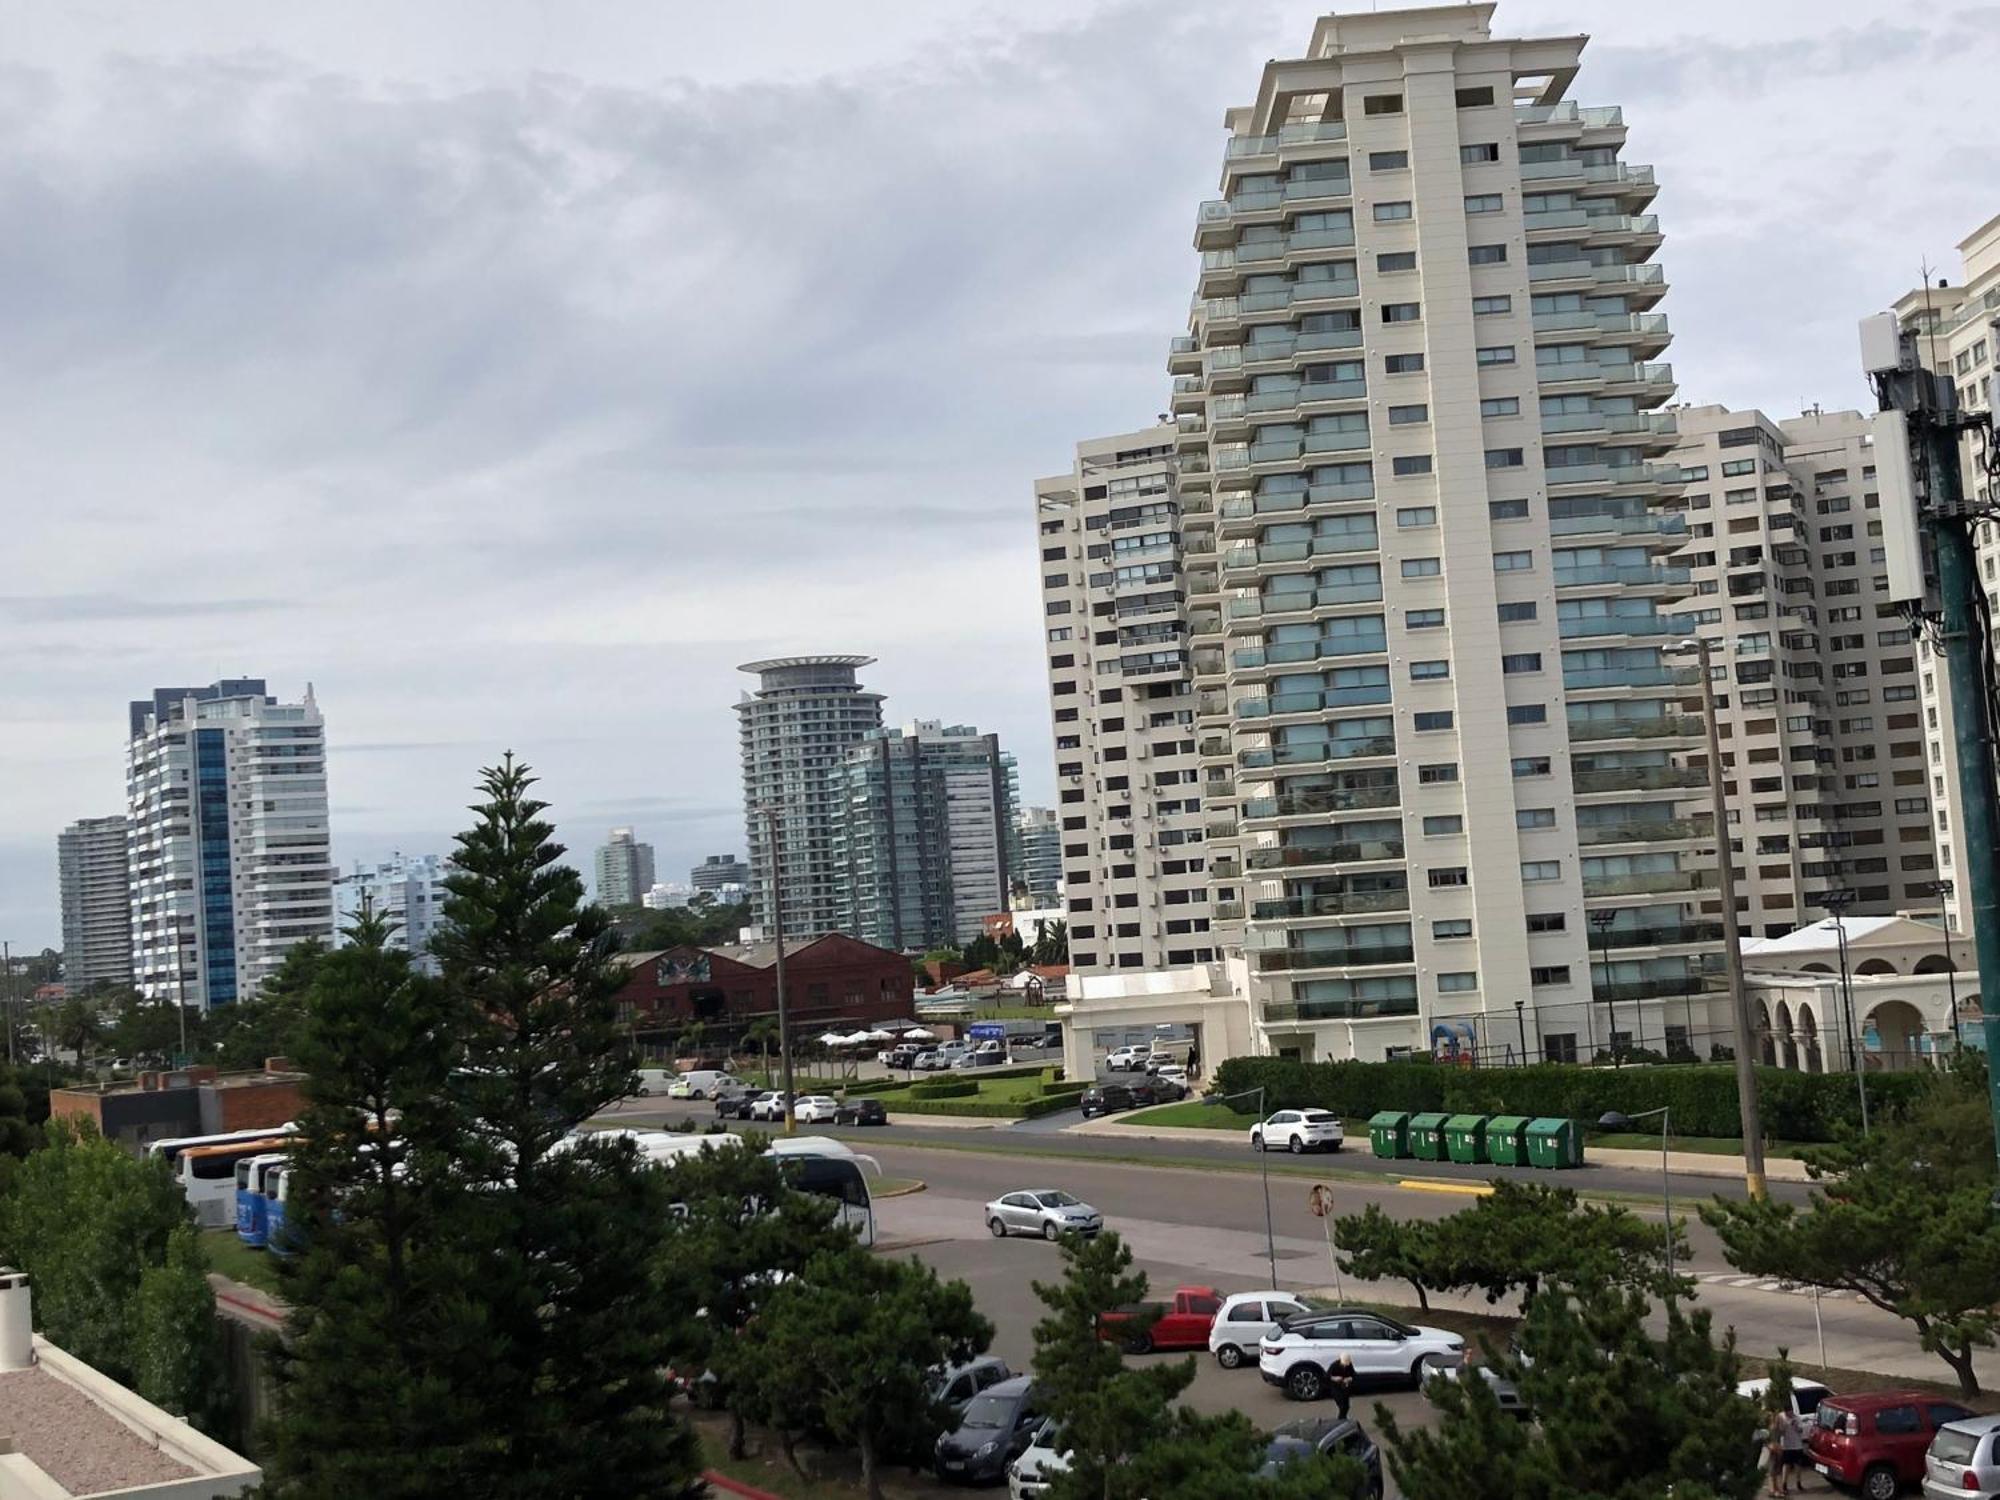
point(1769, 1284)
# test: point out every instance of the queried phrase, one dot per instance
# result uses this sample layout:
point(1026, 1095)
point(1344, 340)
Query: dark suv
point(1103, 1098)
point(1340, 1437)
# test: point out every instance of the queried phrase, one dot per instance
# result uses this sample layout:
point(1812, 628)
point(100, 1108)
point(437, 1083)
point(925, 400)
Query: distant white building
point(409, 890)
point(665, 895)
point(67, 1431)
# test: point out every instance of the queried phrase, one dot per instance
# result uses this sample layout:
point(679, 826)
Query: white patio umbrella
point(831, 1039)
point(881, 1036)
point(918, 1034)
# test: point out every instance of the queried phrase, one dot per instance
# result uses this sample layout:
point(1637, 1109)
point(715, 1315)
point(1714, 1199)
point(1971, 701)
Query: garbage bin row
point(1503, 1140)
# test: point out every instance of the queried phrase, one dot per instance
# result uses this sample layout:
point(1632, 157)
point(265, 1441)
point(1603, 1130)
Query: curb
point(1432, 1185)
point(730, 1486)
point(916, 1185)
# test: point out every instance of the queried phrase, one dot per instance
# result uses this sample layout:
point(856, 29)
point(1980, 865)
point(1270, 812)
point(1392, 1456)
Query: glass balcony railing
point(1638, 779)
point(1658, 936)
point(1331, 904)
point(1338, 1010)
point(1628, 574)
point(1315, 752)
point(1660, 727)
point(1582, 679)
point(1642, 625)
point(1314, 856)
point(1305, 703)
point(1652, 830)
point(1653, 523)
point(1260, 554)
point(1568, 112)
point(1284, 653)
point(1320, 801)
point(1290, 960)
point(1647, 883)
point(1648, 989)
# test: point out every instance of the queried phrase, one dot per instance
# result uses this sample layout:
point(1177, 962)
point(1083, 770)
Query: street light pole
point(1600, 921)
point(1264, 1164)
point(1837, 902)
point(777, 898)
point(1732, 940)
point(1942, 889)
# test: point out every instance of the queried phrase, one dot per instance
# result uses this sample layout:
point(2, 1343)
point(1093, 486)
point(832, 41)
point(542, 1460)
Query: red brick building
point(830, 979)
point(159, 1103)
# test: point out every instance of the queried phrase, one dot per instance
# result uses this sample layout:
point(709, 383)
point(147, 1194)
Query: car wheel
point(1256, 1141)
point(999, 1229)
point(1422, 1370)
point(1880, 1483)
point(644, 1092)
point(1298, 1146)
point(1139, 1343)
point(1305, 1383)
point(1050, 1232)
point(1229, 1357)
point(697, 1094)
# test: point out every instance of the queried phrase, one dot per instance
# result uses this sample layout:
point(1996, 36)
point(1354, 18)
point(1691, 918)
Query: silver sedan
point(1048, 1212)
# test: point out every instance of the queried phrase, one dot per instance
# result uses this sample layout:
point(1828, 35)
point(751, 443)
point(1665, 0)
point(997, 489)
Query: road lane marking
point(1433, 1185)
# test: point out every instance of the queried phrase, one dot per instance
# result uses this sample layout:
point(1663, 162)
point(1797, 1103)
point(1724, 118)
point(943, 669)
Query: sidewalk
point(1680, 1163)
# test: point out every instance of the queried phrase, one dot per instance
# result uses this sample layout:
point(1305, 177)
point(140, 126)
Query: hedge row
point(943, 1088)
point(1796, 1106)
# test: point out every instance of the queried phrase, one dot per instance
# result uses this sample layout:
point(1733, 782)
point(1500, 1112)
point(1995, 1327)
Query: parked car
point(1180, 1322)
point(1048, 1212)
point(1505, 1392)
point(816, 1109)
point(1806, 1397)
point(930, 1061)
point(902, 1055)
point(955, 1386)
point(862, 1112)
point(702, 1083)
point(1174, 1073)
point(1103, 1098)
point(1244, 1321)
point(1148, 1088)
point(1045, 1456)
point(769, 1105)
point(1964, 1460)
point(1127, 1059)
point(1299, 1355)
point(1875, 1442)
point(1298, 1130)
point(990, 1053)
point(655, 1081)
point(1337, 1437)
point(996, 1428)
point(734, 1104)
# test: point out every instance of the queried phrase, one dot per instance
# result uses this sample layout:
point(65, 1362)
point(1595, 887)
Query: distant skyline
point(511, 373)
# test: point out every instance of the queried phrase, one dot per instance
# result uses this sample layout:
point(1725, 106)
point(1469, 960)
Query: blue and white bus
point(206, 1172)
point(256, 1178)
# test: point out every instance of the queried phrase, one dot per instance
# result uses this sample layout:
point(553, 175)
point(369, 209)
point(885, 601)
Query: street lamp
point(1614, 1120)
point(1732, 934)
point(1264, 1165)
point(1521, 1026)
point(1600, 922)
point(769, 813)
point(1942, 889)
point(1837, 902)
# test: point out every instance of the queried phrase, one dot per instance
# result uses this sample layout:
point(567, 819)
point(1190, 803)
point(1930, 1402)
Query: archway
point(1815, 968)
point(1809, 1029)
point(1766, 1053)
point(1899, 1032)
point(1788, 1047)
point(1933, 963)
point(1875, 966)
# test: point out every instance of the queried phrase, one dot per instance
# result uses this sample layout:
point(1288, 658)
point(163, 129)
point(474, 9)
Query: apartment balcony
point(1554, 218)
point(1184, 359)
point(1648, 989)
point(1667, 935)
point(1568, 112)
point(1259, 659)
point(1331, 904)
point(1297, 960)
point(1323, 856)
point(1226, 911)
point(1637, 229)
point(1287, 1012)
point(1648, 831)
point(1225, 869)
point(1550, 173)
point(1281, 704)
point(1633, 577)
point(1647, 883)
point(1298, 394)
point(1667, 726)
point(1597, 626)
point(1595, 679)
point(1251, 558)
point(1319, 802)
point(1318, 752)
point(1244, 514)
point(1278, 351)
point(1215, 225)
point(1637, 779)
point(1668, 530)
point(1242, 150)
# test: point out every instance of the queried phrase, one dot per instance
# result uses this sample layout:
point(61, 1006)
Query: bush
point(1805, 1107)
point(943, 1088)
point(1068, 1092)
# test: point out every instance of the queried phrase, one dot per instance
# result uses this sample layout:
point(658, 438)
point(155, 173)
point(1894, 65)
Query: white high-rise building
point(795, 729)
point(408, 890)
point(1422, 483)
point(1129, 795)
point(228, 845)
point(96, 904)
point(1037, 858)
point(624, 870)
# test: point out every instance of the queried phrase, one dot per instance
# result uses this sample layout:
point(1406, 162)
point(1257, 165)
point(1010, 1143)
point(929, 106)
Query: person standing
point(1340, 1376)
point(1791, 1452)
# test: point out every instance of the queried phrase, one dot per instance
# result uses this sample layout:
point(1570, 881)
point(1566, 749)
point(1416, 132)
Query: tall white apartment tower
point(96, 904)
point(795, 728)
point(624, 869)
point(1421, 472)
point(228, 847)
point(1129, 788)
point(407, 889)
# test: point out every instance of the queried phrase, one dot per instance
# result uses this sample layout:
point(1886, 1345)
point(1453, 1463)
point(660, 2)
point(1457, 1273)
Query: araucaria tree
point(1902, 1217)
point(1618, 1414)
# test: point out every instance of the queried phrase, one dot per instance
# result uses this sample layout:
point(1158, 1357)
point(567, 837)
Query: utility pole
point(1926, 518)
point(1732, 941)
point(13, 1019)
point(778, 963)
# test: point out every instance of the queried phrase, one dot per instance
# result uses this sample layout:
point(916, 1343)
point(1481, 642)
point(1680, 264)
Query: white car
point(656, 1081)
point(702, 1083)
point(1126, 1059)
point(1298, 1357)
point(1028, 1476)
point(769, 1105)
point(1244, 1321)
point(1297, 1130)
point(1175, 1073)
point(815, 1109)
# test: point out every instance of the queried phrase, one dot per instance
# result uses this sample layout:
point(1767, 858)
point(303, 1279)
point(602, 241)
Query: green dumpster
point(1389, 1133)
point(1506, 1140)
point(1465, 1137)
point(1554, 1143)
point(1427, 1137)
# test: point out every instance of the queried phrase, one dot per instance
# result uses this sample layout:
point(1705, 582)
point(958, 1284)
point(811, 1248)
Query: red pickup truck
point(1182, 1323)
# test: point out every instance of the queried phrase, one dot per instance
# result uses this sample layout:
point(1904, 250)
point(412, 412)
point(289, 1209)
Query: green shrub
point(943, 1088)
point(1068, 1091)
point(1803, 1107)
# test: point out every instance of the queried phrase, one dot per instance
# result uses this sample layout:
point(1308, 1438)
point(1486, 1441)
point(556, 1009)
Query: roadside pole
point(1320, 1201)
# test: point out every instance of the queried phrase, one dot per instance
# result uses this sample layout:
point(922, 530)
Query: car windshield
point(990, 1411)
point(1319, 1116)
point(1055, 1200)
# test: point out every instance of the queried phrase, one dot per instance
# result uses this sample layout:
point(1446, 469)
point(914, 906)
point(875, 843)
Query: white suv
point(1244, 1321)
point(1297, 1130)
point(1298, 1357)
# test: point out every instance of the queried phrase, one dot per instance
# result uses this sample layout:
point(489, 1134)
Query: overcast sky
point(513, 371)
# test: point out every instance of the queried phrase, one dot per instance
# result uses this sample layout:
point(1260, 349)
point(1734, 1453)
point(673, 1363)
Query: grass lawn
point(1193, 1114)
point(835, 1475)
point(1014, 1090)
point(230, 1257)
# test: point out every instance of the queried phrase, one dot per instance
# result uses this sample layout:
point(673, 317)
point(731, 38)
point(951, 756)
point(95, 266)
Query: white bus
point(207, 1175)
point(170, 1150)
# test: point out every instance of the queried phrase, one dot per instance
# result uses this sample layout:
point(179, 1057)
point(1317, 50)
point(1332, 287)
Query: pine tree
point(576, 1390)
point(384, 1238)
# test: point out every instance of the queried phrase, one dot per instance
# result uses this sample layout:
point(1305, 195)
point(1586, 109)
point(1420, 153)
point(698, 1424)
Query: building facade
point(719, 871)
point(828, 979)
point(1037, 877)
point(228, 845)
point(1960, 328)
point(624, 870)
point(1129, 788)
point(1423, 476)
point(408, 890)
point(795, 728)
point(925, 834)
point(1816, 687)
point(96, 904)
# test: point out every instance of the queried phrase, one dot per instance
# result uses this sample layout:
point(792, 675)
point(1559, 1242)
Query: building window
point(1527, 713)
point(1423, 619)
point(1421, 567)
point(1496, 354)
point(1417, 515)
point(1447, 878)
point(1514, 613)
point(1382, 104)
point(1481, 151)
point(1548, 921)
point(1486, 255)
point(1506, 510)
point(1549, 974)
point(1410, 463)
point(1436, 774)
point(1443, 929)
point(1521, 661)
point(1535, 817)
point(1531, 765)
point(1388, 161)
point(1504, 458)
point(1443, 825)
point(1394, 211)
point(1533, 870)
point(1404, 416)
point(1513, 562)
point(1401, 312)
point(1396, 260)
point(1403, 364)
point(1474, 98)
point(1429, 671)
point(1483, 306)
point(1457, 981)
point(1483, 203)
point(1427, 723)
